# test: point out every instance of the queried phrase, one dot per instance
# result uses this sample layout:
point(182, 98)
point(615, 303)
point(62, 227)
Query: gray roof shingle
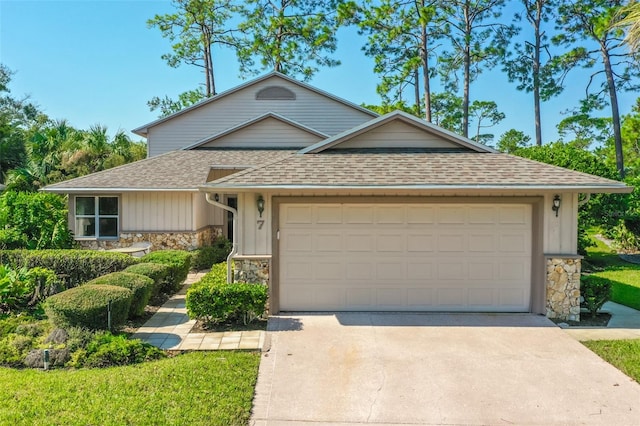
point(176, 170)
point(434, 169)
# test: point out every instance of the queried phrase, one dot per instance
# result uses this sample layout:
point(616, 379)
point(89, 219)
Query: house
point(338, 208)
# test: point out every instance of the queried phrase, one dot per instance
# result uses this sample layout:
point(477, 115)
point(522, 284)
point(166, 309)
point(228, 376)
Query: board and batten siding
point(559, 234)
point(268, 132)
point(396, 134)
point(309, 108)
point(157, 211)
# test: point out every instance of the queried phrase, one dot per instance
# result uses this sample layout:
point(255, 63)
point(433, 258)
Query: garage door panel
point(451, 242)
point(328, 214)
point(420, 242)
point(421, 214)
point(414, 257)
point(388, 242)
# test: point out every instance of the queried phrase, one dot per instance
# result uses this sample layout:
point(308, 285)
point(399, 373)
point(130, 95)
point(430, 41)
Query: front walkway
point(624, 324)
point(170, 329)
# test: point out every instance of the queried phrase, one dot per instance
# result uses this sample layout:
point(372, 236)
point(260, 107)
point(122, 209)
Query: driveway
point(501, 369)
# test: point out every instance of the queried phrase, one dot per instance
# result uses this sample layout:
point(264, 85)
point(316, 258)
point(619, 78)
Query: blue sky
point(97, 62)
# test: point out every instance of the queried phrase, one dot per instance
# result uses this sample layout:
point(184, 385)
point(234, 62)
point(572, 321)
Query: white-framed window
point(97, 217)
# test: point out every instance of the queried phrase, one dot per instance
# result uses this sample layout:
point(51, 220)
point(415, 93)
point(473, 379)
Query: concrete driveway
point(502, 369)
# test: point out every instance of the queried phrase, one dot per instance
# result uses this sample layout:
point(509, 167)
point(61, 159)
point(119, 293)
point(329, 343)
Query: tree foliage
point(33, 221)
point(401, 38)
point(195, 29)
point(293, 37)
point(588, 28)
point(531, 63)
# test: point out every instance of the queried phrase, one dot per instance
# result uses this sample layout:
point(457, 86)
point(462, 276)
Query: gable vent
point(275, 93)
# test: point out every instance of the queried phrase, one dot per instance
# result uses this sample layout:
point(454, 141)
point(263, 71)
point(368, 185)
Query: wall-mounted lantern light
point(260, 203)
point(216, 197)
point(556, 204)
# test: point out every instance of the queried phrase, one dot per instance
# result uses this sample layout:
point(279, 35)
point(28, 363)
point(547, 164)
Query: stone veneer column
point(252, 269)
point(563, 287)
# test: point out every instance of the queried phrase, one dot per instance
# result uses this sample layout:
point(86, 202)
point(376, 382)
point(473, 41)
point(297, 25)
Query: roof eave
point(60, 190)
point(595, 189)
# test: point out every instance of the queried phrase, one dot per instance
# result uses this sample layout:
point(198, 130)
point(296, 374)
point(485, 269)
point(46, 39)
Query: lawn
point(623, 354)
point(213, 388)
point(624, 276)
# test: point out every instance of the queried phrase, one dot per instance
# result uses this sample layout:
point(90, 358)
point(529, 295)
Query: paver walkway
point(170, 329)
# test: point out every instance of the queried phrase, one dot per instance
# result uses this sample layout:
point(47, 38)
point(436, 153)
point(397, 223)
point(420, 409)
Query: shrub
point(106, 350)
point(87, 306)
point(595, 292)
point(73, 266)
point(34, 221)
point(140, 285)
point(45, 283)
point(179, 261)
point(212, 300)
point(15, 288)
point(158, 272)
point(206, 257)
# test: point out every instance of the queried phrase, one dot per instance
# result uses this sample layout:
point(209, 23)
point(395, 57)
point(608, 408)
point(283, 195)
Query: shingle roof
point(344, 169)
point(176, 170)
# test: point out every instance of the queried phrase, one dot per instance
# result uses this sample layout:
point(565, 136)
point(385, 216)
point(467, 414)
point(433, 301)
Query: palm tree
point(631, 21)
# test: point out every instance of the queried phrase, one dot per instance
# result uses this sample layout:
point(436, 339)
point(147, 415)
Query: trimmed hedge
point(179, 261)
point(87, 306)
point(212, 300)
point(595, 292)
point(158, 272)
point(74, 267)
point(140, 285)
point(207, 256)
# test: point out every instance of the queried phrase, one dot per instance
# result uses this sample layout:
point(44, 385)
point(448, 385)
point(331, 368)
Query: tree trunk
point(536, 72)
point(425, 73)
point(416, 91)
point(615, 113)
point(467, 72)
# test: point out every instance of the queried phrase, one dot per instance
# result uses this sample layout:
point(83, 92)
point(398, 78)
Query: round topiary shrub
point(140, 285)
point(158, 272)
point(87, 306)
point(179, 262)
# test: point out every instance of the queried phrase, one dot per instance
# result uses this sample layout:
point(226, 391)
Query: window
point(96, 217)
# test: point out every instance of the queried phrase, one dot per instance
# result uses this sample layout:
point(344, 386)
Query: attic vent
point(275, 93)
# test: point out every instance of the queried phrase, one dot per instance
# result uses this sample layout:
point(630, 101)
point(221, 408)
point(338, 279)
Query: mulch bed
point(601, 320)
point(201, 327)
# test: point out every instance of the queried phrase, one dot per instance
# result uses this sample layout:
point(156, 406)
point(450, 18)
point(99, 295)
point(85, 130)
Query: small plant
point(15, 288)
point(140, 285)
point(595, 292)
point(213, 301)
point(178, 261)
point(158, 272)
point(207, 256)
point(45, 283)
point(87, 306)
point(107, 350)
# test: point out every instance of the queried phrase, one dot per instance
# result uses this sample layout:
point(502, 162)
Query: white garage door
point(405, 257)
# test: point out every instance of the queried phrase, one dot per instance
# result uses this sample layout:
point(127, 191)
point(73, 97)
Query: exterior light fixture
point(260, 203)
point(556, 204)
point(216, 197)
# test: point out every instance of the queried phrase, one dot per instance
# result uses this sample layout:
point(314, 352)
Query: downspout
point(234, 246)
point(585, 200)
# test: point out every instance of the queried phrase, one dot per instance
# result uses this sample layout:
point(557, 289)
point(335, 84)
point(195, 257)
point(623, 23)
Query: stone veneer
point(563, 287)
point(159, 240)
point(251, 269)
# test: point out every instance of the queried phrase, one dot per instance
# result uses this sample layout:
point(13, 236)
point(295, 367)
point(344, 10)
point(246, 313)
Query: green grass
point(622, 354)
point(212, 388)
point(624, 276)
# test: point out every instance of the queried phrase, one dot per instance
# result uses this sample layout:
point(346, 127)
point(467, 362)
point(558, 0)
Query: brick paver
point(171, 329)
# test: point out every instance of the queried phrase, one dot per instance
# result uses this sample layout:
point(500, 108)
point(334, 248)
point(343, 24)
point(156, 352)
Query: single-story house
point(340, 209)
